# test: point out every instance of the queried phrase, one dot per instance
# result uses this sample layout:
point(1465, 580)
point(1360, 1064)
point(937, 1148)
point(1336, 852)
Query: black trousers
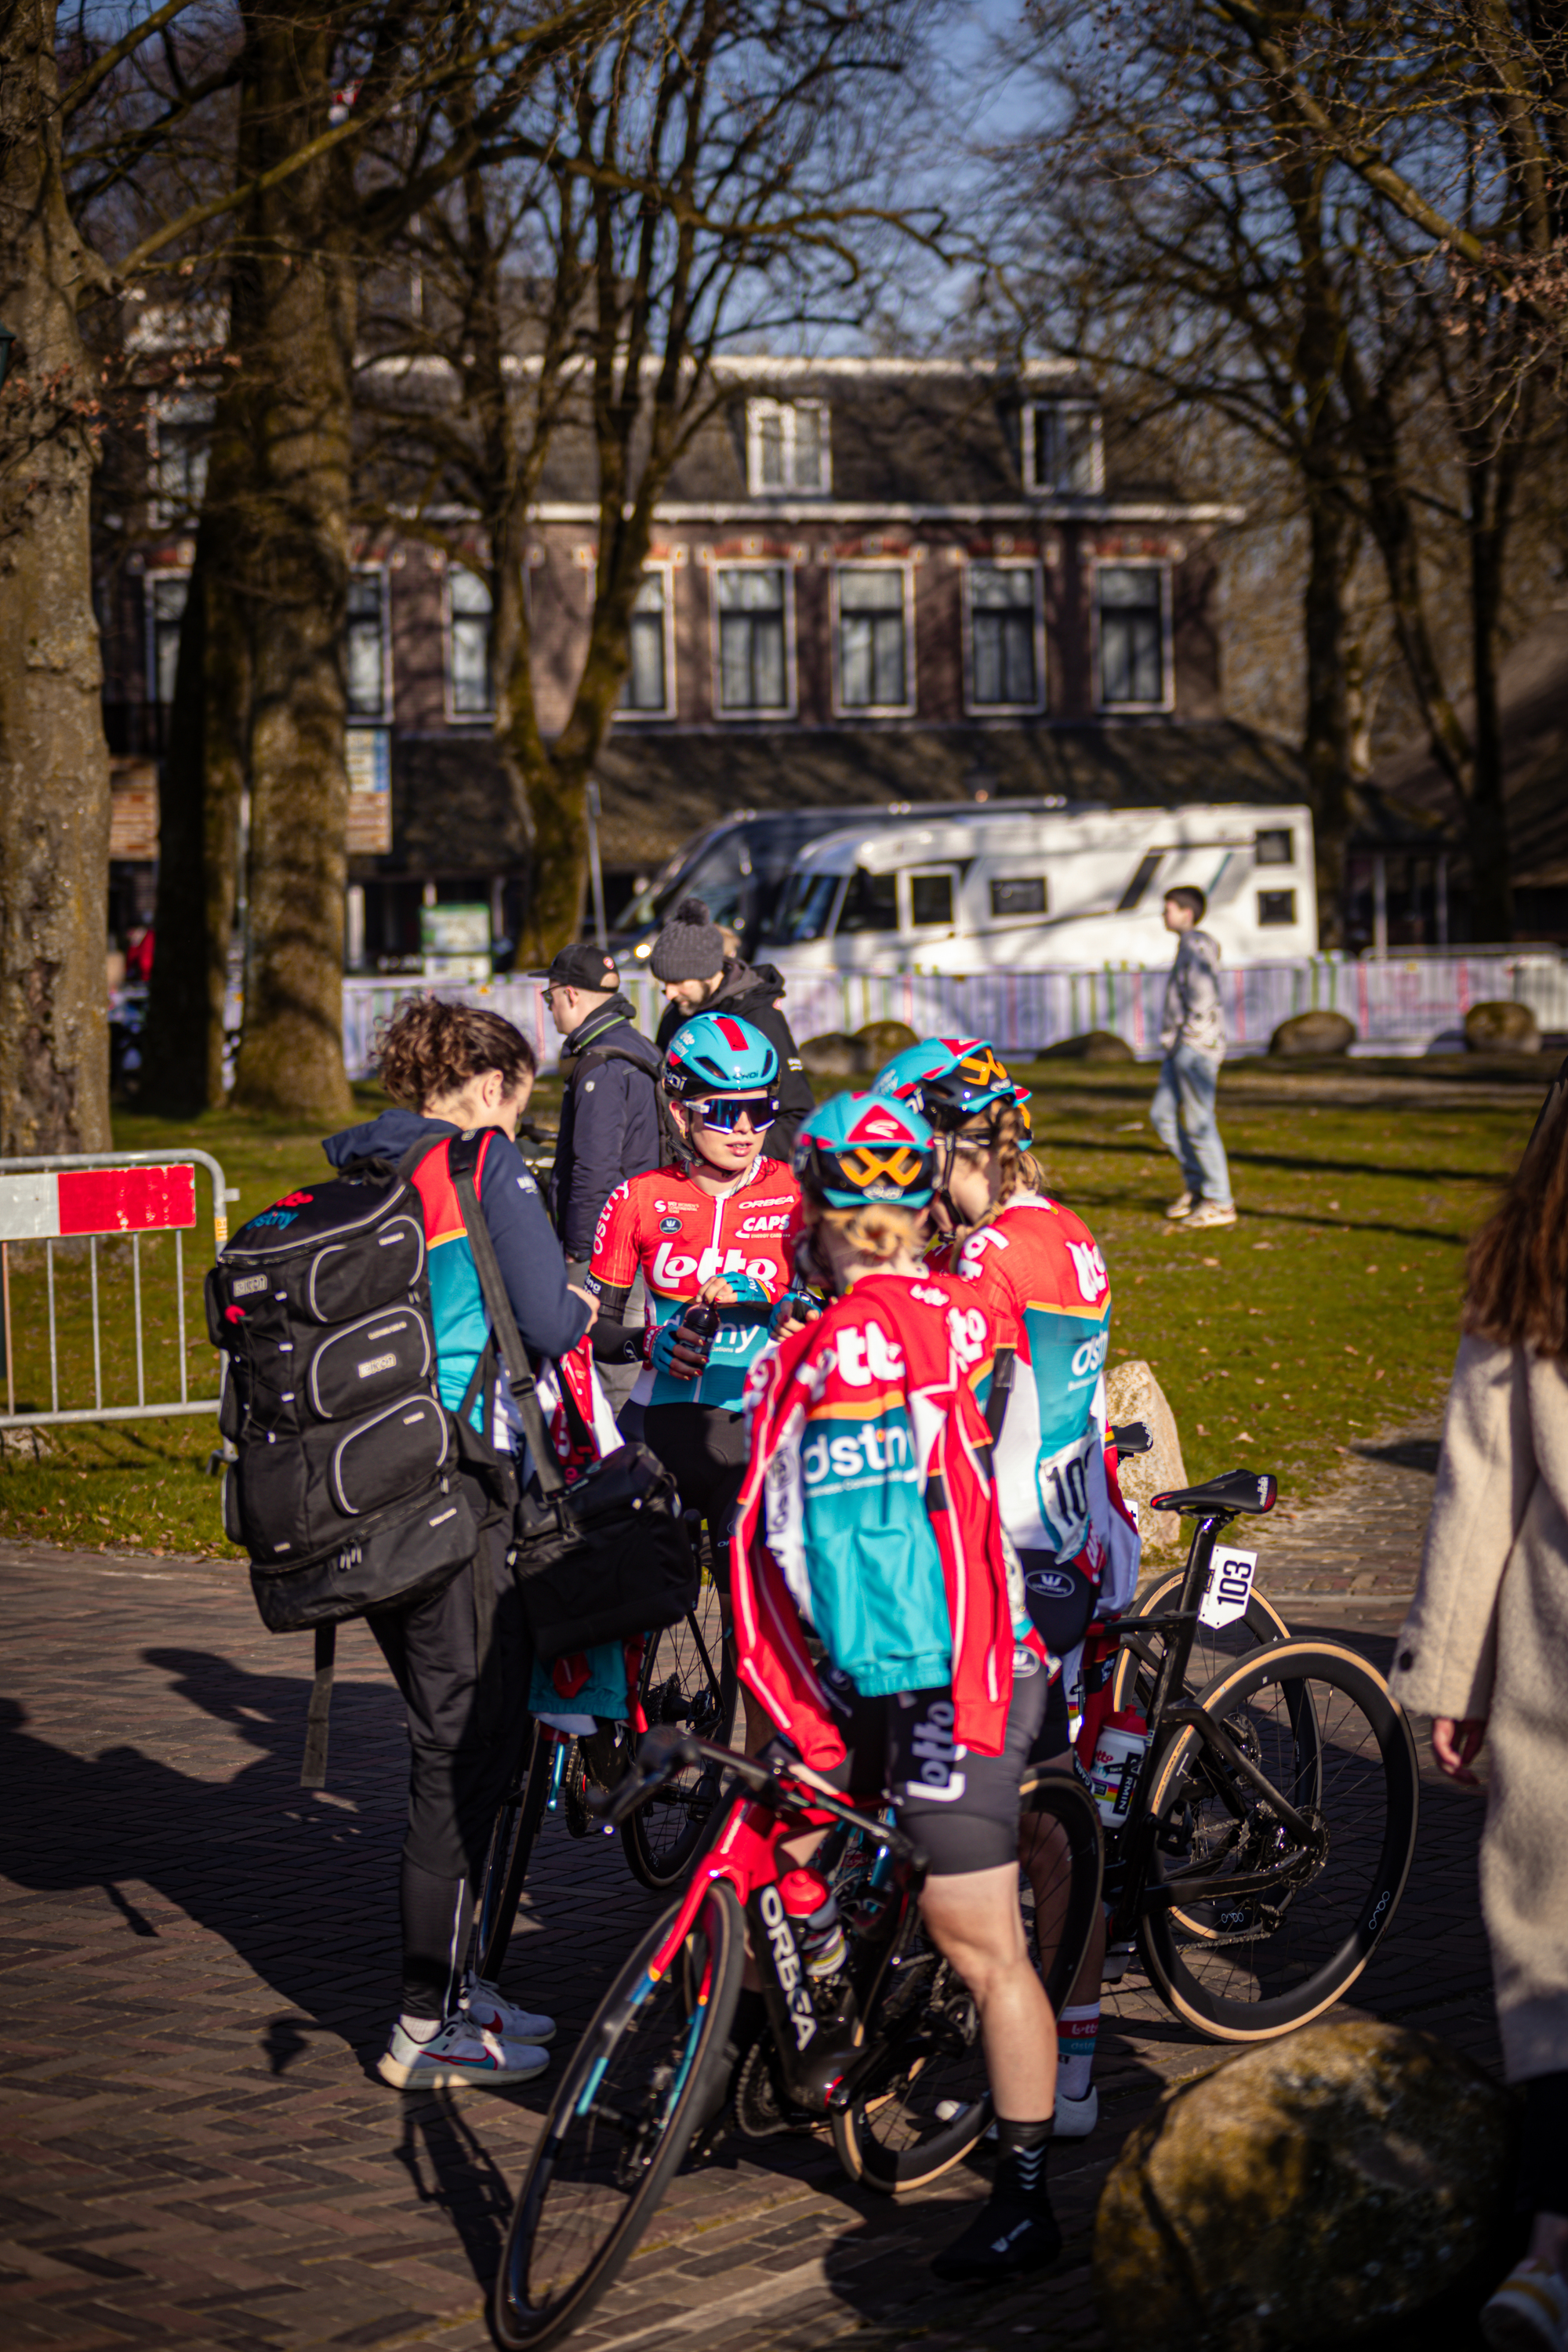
point(703, 1447)
point(467, 1719)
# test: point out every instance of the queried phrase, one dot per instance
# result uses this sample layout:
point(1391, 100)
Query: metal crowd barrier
point(59, 1201)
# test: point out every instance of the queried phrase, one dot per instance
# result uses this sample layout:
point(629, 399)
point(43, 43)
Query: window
point(178, 448)
point(1131, 634)
point(753, 670)
point(1147, 869)
point(1275, 848)
point(1063, 448)
point(1275, 908)
point(930, 900)
point(872, 672)
point(1002, 634)
point(166, 593)
point(469, 651)
point(365, 652)
point(806, 908)
point(647, 683)
point(787, 448)
point(1025, 896)
point(870, 903)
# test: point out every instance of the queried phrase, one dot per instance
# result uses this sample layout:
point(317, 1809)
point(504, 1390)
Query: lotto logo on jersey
point(975, 1247)
point(873, 1451)
point(966, 1334)
point(868, 1355)
point(672, 1266)
point(1088, 1265)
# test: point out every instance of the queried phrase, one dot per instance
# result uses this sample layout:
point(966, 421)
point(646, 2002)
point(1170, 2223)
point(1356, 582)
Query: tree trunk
point(53, 762)
point(1491, 879)
point(1326, 739)
point(297, 365)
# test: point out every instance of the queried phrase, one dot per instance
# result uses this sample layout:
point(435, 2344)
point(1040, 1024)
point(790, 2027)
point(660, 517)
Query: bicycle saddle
point(1236, 1490)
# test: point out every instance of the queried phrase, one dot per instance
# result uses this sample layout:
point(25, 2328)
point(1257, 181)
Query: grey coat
point(1487, 1635)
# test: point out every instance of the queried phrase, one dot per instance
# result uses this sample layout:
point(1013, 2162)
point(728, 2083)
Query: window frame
point(663, 570)
point(1278, 922)
point(766, 406)
point(178, 409)
point(1163, 566)
point(953, 874)
point(1028, 451)
point(996, 921)
point(151, 583)
point(1032, 564)
point(382, 715)
point(904, 709)
point(456, 718)
point(788, 708)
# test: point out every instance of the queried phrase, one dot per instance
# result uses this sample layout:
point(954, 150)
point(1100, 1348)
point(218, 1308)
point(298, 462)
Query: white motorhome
point(1002, 889)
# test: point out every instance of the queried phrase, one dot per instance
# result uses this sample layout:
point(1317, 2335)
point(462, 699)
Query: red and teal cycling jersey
point(1040, 1274)
point(678, 1236)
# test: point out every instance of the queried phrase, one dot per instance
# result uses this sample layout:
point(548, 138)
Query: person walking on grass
point(1192, 1039)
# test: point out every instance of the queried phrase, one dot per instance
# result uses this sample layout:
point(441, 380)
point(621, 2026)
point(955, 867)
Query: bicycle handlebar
point(666, 1750)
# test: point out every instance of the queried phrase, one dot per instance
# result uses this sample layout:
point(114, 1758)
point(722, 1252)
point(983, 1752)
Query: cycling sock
point(1021, 2169)
point(1078, 2031)
point(436, 1913)
point(1015, 2231)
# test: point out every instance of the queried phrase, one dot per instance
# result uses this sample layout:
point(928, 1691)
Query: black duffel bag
point(606, 1557)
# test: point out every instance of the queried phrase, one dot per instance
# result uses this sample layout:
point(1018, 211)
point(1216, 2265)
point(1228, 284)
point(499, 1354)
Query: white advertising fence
point(1410, 1004)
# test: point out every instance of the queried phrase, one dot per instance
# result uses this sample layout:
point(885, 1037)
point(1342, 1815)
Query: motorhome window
point(871, 638)
point(752, 639)
point(644, 687)
point(1276, 907)
point(1025, 894)
point(1275, 848)
point(1147, 869)
point(931, 898)
point(365, 648)
point(1131, 634)
point(468, 644)
point(806, 910)
point(870, 903)
point(1002, 634)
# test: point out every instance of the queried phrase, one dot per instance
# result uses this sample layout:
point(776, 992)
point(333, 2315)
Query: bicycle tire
point(688, 1677)
point(1324, 1727)
point(1216, 1650)
point(894, 2137)
point(633, 2094)
point(506, 1864)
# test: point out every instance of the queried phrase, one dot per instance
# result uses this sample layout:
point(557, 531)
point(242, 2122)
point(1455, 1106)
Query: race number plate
point(1229, 1587)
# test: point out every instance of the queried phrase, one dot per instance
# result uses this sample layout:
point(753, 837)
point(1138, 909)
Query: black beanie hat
point(690, 947)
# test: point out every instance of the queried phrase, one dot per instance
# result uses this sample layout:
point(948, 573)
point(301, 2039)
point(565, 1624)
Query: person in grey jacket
point(1192, 1039)
point(1484, 1652)
point(699, 975)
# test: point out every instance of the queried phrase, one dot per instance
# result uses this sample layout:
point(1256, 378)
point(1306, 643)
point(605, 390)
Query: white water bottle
point(1119, 1753)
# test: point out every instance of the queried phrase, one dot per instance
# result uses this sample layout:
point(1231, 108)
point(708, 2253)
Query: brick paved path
point(198, 1964)
point(1365, 1535)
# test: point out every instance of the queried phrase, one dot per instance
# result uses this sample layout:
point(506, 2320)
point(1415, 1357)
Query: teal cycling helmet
point(862, 1148)
point(950, 1080)
point(717, 1055)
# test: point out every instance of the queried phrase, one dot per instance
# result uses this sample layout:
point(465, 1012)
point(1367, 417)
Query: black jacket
point(551, 1318)
point(753, 992)
point(609, 1123)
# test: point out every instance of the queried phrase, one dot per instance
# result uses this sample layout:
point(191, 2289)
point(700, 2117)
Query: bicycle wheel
point(637, 2086)
point(688, 1677)
point(1216, 1650)
point(1324, 1728)
point(1067, 1901)
point(506, 1864)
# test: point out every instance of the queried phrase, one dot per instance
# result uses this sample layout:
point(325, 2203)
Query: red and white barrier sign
point(58, 1202)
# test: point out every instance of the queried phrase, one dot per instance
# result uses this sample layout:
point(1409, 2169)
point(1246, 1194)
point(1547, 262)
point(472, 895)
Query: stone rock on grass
point(1133, 1393)
point(1319, 1031)
point(26, 1445)
point(1337, 2188)
point(835, 1055)
point(1502, 1027)
point(1094, 1046)
point(883, 1039)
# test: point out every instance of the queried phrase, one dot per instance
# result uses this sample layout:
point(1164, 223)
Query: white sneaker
point(484, 2005)
point(1075, 2118)
point(1529, 2312)
point(460, 2052)
point(1182, 1206)
point(1210, 1213)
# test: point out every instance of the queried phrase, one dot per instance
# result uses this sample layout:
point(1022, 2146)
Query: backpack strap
point(461, 1160)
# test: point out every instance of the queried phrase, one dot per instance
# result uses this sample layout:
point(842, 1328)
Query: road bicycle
point(1264, 1841)
point(884, 2046)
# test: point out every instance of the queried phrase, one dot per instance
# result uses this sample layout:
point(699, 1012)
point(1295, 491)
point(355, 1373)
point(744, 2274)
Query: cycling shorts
point(963, 1809)
point(703, 1447)
point(1061, 1600)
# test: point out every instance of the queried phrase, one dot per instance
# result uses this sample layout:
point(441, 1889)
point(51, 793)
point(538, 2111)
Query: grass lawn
point(1327, 1314)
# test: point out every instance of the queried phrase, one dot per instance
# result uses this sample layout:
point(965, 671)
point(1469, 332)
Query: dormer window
point(1064, 448)
point(787, 448)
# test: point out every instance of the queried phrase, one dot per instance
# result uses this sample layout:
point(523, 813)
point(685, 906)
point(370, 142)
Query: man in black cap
point(699, 975)
point(609, 1109)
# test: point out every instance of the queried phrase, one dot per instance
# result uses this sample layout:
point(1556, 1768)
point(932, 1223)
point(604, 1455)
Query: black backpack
point(344, 1489)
